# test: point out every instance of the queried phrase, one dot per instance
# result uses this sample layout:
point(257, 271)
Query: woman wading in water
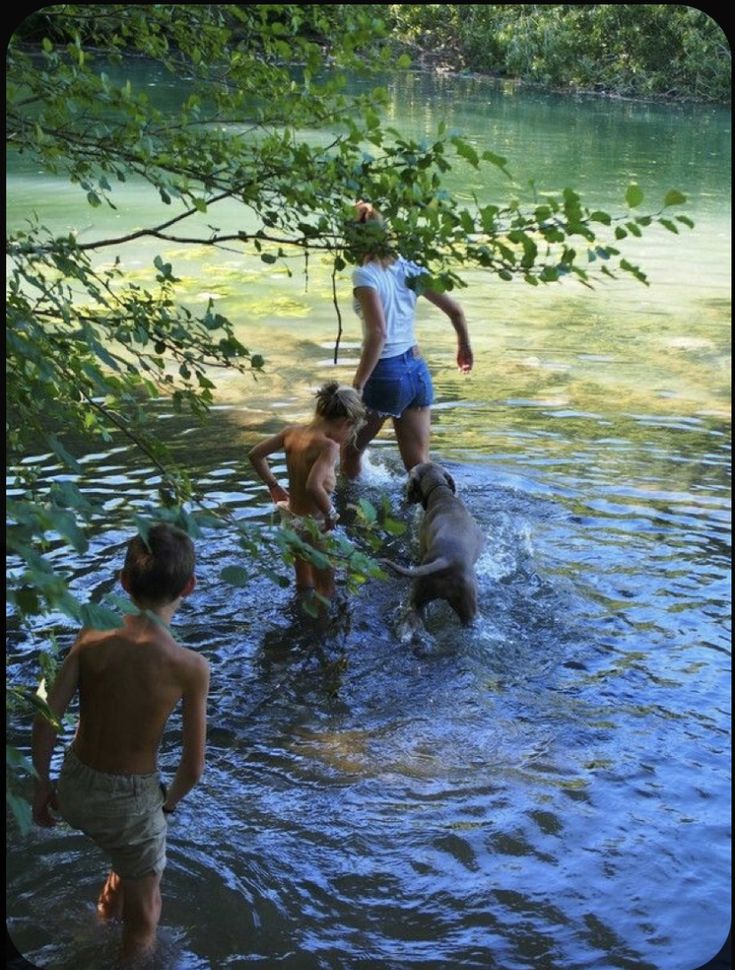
point(392, 377)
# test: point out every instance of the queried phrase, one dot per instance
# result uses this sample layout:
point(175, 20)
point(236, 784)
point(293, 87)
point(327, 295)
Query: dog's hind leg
point(464, 605)
point(409, 625)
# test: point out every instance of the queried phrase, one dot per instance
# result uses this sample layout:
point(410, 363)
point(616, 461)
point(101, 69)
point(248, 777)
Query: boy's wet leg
point(110, 902)
point(305, 582)
point(141, 914)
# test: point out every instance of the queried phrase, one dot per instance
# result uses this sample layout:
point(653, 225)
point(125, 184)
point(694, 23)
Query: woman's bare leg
point(352, 452)
point(413, 433)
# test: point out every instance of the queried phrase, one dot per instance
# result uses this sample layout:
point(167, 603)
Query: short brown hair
point(159, 564)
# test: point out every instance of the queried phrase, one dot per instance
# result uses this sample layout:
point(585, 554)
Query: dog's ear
point(450, 482)
point(413, 487)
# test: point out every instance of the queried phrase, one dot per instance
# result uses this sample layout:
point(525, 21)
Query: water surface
point(548, 790)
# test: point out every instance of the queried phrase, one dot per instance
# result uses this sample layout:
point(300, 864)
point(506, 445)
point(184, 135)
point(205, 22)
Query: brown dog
point(450, 542)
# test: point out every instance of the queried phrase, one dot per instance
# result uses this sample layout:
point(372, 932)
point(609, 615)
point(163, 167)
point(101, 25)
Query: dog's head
point(423, 478)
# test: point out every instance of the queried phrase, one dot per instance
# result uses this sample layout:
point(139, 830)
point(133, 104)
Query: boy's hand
point(44, 798)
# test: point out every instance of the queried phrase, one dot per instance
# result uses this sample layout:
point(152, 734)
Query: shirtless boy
point(129, 681)
point(312, 453)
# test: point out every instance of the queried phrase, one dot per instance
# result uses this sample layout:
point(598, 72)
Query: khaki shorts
point(122, 814)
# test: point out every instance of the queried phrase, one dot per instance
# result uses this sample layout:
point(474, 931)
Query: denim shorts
point(398, 383)
point(122, 814)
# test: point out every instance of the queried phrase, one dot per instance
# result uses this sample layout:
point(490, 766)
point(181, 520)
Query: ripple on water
point(479, 799)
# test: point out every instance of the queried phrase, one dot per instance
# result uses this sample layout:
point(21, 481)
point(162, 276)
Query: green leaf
point(367, 510)
point(394, 527)
point(67, 494)
point(500, 161)
point(279, 580)
point(21, 811)
point(465, 150)
point(122, 604)
point(235, 576)
point(599, 216)
point(33, 699)
point(98, 617)
point(16, 759)
point(634, 195)
point(674, 197)
point(65, 524)
point(310, 606)
point(633, 270)
point(61, 452)
point(164, 269)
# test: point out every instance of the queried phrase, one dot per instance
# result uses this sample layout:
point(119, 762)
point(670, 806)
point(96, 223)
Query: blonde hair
point(339, 401)
point(366, 212)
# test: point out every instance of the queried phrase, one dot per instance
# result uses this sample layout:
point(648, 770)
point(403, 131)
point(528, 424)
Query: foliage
point(87, 350)
point(264, 125)
point(18, 767)
point(633, 50)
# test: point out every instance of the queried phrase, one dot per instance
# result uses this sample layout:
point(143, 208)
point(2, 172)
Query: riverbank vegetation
point(647, 50)
point(88, 352)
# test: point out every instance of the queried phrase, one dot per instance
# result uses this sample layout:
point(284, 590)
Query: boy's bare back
point(129, 682)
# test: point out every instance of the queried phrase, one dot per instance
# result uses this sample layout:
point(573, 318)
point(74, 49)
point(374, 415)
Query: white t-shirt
point(397, 298)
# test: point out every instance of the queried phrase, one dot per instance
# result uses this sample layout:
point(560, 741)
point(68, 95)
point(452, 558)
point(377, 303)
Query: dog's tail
point(415, 572)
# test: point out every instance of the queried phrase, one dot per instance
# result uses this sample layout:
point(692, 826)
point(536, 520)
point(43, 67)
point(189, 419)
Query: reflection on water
point(548, 790)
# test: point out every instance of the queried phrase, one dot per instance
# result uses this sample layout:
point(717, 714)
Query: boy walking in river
point(312, 453)
point(129, 681)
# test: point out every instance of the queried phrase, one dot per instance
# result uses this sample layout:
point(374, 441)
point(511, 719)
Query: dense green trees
point(87, 350)
point(632, 50)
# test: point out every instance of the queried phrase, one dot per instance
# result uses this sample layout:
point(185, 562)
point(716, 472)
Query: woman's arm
point(375, 334)
point(455, 313)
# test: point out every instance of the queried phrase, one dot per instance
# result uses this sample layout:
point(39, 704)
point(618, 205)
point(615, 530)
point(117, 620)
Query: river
point(548, 790)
